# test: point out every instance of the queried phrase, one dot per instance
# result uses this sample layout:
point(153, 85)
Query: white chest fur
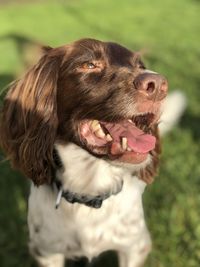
point(78, 230)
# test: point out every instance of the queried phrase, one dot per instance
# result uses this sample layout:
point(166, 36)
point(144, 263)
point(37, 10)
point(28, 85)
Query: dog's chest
point(77, 230)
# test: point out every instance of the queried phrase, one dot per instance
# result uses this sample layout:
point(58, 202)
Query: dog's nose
point(154, 86)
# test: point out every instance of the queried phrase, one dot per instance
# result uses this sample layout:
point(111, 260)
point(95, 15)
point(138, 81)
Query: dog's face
point(108, 101)
point(96, 94)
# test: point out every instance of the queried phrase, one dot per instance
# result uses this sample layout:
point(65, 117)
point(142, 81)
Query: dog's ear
point(147, 174)
point(29, 119)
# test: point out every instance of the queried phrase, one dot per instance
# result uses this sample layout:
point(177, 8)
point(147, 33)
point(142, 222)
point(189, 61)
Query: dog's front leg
point(135, 256)
point(53, 260)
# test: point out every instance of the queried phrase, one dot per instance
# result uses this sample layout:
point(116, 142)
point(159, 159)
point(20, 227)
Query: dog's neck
point(85, 174)
point(84, 177)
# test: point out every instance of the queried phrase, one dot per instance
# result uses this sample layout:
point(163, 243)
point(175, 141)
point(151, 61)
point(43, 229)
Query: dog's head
point(96, 94)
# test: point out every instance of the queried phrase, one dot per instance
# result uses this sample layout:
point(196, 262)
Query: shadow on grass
point(13, 234)
point(28, 49)
point(14, 190)
point(25, 46)
point(5, 79)
point(190, 121)
point(20, 40)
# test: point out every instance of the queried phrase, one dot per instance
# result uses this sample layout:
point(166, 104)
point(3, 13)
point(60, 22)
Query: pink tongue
point(142, 143)
point(138, 141)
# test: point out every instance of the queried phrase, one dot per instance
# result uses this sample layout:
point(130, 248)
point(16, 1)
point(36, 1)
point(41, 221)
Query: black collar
point(71, 197)
point(88, 200)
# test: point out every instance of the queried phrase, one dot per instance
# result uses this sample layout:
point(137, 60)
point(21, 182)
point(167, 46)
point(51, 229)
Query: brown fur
point(29, 120)
point(53, 96)
point(147, 174)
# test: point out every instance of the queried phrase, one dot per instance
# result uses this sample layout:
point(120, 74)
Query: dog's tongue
point(137, 140)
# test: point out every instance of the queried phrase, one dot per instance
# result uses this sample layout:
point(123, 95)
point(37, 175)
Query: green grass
point(168, 33)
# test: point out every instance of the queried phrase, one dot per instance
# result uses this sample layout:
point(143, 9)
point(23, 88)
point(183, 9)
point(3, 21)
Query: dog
point(82, 124)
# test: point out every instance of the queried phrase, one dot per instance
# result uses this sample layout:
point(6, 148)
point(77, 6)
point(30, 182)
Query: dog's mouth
point(128, 140)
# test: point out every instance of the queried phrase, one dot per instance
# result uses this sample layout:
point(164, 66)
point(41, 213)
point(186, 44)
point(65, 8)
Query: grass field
point(169, 34)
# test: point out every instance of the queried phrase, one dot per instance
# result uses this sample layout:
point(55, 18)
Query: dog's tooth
point(99, 133)
point(129, 149)
point(95, 126)
point(108, 137)
point(124, 143)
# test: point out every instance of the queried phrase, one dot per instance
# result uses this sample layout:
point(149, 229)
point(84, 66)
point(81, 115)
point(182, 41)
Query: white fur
point(75, 230)
point(172, 108)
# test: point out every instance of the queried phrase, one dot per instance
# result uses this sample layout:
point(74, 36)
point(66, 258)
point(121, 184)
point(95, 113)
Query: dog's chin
point(125, 158)
point(134, 167)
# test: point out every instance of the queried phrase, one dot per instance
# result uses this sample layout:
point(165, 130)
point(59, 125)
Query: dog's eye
point(88, 65)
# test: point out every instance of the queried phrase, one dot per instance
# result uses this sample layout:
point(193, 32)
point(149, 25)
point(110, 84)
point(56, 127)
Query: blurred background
point(168, 32)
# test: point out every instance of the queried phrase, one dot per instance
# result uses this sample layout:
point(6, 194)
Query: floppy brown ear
point(29, 119)
point(147, 174)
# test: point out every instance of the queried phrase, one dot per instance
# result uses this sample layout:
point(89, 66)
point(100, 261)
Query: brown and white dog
point(82, 124)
